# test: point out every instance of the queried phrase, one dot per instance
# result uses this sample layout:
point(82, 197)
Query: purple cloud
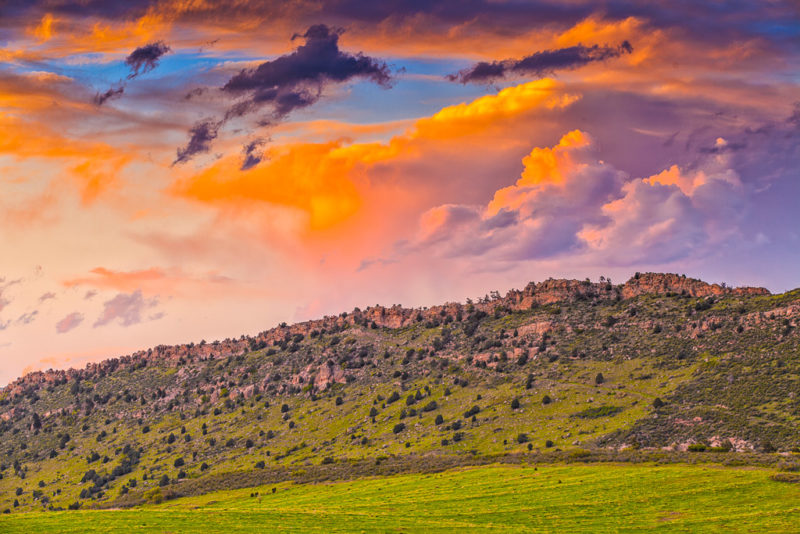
point(27, 318)
point(128, 308)
point(541, 63)
point(146, 58)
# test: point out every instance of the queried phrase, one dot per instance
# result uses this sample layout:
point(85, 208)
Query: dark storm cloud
point(718, 21)
point(540, 63)
point(290, 82)
point(145, 58)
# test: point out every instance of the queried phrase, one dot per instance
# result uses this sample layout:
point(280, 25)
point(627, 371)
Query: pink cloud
point(70, 322)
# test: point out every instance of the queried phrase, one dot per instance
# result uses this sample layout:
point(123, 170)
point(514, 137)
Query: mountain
point(662, 362)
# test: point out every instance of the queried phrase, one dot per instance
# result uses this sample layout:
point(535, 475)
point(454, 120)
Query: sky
point(173, 171)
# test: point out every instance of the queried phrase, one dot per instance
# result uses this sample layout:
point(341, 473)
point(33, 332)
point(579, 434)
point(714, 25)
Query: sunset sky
point(179, 170)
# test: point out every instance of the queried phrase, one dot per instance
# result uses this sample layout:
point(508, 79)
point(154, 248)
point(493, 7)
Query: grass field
point(554, 498)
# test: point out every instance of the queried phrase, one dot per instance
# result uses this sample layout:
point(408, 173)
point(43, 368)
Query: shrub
point(327, 460)
point(373, 412)
point(597, 411)
point(657, 403)
point(599, 379)
point(791, 478)
point(697, 447)
point(393, 397)
point(163, 481)
point(260, 464)
point(284, 408)
point(432, 405)
point(154, 495)
point(546, 399)
point(548, 443)
point(472, 411)
point(339, 401)
point(178, 462)
point(515, 404)
point(399, 427)
point(522, 438)
point(439, 419)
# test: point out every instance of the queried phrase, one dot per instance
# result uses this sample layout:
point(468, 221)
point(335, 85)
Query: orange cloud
point(44, 30)
point(152, 281)
point(93, 167)
point(326, 181)
point(314, 178)
point(119, 280)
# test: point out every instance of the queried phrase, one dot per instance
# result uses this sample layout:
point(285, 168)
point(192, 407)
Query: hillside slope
point(661, 361)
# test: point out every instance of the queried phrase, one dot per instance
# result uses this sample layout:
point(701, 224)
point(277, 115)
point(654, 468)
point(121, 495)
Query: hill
point(563, 369)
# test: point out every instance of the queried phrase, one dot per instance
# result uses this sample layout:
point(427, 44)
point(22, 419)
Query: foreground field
point(574, 498)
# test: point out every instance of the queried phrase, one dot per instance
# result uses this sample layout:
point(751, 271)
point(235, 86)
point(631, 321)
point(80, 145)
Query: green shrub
point(597, 411)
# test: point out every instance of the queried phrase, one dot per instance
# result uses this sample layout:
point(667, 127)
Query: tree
point(399, 427)
point(439, 419)
point(546, 399)
point(515, 404)
point(163, 481)
point(657, 403)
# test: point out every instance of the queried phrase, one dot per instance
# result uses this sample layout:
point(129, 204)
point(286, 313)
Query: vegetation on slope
point(661, 361)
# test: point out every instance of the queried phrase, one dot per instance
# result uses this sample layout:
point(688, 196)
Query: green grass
point(547, 498)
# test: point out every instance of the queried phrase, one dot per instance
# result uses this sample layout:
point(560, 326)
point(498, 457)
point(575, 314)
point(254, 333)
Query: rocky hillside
point(659, 362)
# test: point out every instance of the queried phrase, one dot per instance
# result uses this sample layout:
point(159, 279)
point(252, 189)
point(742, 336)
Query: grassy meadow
point(495, 498)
